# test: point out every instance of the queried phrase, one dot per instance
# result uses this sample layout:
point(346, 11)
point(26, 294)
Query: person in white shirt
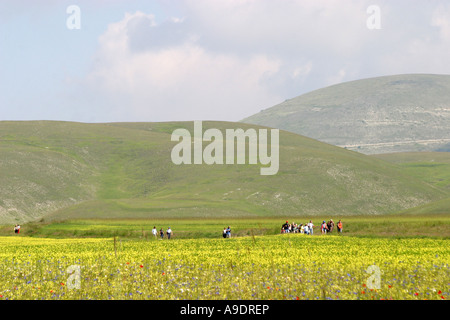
point(310, 227)
point(306, 229)
point(169, 233)
point(155, 232)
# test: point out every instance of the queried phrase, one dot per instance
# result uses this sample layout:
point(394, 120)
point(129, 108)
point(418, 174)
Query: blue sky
point(202, 59)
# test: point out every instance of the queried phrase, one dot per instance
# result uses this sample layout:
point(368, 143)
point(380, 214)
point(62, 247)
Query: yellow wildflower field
point(293, 266)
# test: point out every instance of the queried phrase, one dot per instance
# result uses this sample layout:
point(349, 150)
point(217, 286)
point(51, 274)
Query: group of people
point(328, 227)
point(227, 232)
point(308, 228)
point(169, 233)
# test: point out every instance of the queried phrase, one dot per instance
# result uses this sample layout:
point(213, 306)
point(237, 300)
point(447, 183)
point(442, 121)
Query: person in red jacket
point(339, 226)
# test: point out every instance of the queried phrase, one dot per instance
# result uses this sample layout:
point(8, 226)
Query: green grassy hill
point(430, 167)
point(377, 115)
point(65, 170)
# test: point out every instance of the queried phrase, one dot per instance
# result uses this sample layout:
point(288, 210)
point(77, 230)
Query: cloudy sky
point(167, 60)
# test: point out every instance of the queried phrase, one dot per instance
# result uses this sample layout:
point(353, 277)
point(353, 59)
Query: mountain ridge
point(385, 114)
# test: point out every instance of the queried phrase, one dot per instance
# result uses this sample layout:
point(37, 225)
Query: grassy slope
point(76, 170)
point(431, 167)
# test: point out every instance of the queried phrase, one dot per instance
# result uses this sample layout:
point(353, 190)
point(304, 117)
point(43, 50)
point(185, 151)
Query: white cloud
point(177, 81)
point(302, 71)
point(229, 59)
point(418, 44)
point(441, 19)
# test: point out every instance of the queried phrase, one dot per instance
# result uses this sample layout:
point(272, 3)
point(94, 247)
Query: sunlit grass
point(191, 228)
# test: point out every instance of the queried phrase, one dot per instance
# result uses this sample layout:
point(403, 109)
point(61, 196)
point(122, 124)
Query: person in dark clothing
point(285, 227)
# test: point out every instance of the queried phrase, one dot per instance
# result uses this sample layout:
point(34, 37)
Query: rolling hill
point(377, 115)
point(61, 170)
point(430, 167)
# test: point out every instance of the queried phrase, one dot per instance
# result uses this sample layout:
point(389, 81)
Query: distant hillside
point(430, 167)
point(378, 115)
point(444, 148)
point(61, 170)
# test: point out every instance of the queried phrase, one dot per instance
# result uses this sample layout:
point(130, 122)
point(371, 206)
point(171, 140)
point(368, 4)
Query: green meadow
point(396, 226)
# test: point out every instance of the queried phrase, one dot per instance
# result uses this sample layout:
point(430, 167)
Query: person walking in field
point(285, 227)
point(330, 225)
point(224, 232)
point(169, 233)
point(339, 226)
point(310, 227)
point(324, 227)
point(161, 234)
point(16, 229)
point(228, 232)
point(154, 232)
point(305, 229)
